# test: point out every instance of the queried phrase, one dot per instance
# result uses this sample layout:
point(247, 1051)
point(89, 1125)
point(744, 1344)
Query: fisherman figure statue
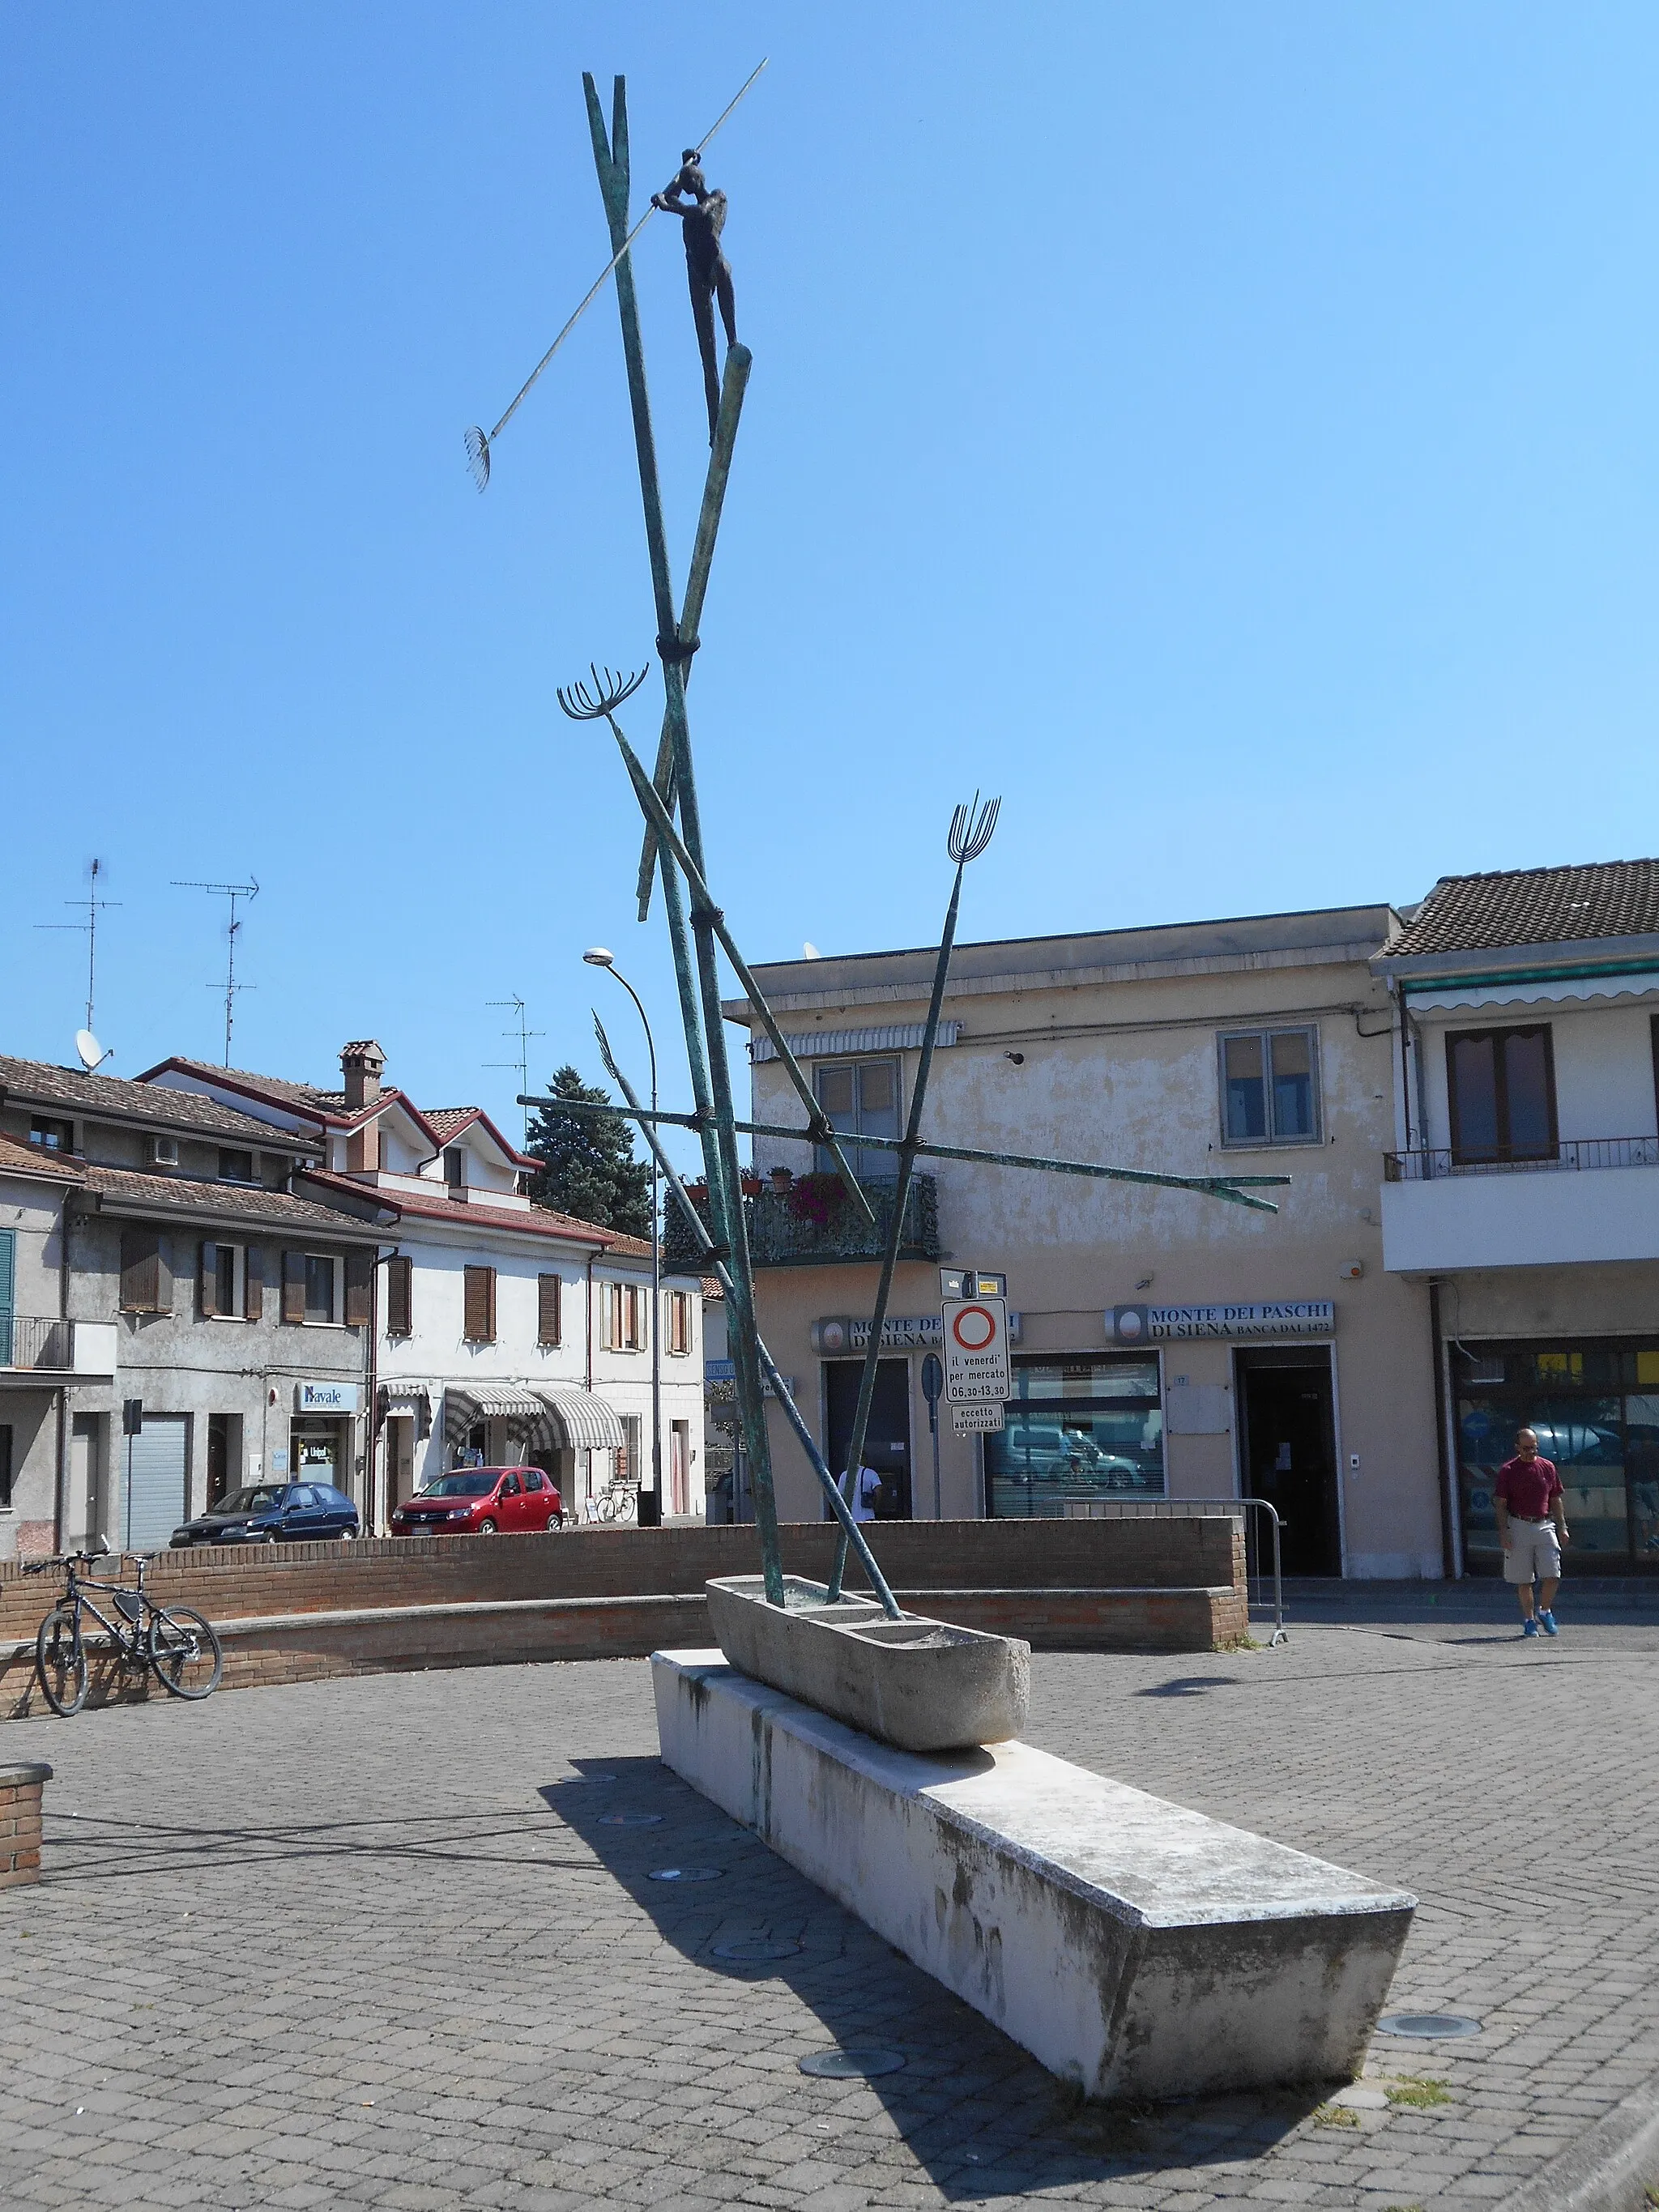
point(706, 269)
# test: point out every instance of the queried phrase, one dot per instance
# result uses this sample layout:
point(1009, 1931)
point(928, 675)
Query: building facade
point(216, 1326)
point(1522, 1196)
point(1168, 1344)
point(502, 1331)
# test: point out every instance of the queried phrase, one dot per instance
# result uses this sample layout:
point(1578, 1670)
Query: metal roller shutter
point(155, 1482)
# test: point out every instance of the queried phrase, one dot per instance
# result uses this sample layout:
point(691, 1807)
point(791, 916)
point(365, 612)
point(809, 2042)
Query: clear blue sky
point(1229, 432)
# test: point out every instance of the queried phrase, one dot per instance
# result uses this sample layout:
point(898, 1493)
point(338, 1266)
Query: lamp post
point(597, 956)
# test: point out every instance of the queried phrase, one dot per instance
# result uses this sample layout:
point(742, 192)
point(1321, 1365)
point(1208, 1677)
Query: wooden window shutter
point(207, 1278)
point(480, 1295)
point(294, 1287)
point(359, 1288)
point(547, 1288)
point(400, 1297)
point(142, 1273)
point(253, 1283)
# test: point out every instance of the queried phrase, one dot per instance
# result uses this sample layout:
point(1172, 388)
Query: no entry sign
point(976, 1351)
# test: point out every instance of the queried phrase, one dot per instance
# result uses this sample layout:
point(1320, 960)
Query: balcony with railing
point(34, 1348)
point(812, 1223)
point(1448, 1209)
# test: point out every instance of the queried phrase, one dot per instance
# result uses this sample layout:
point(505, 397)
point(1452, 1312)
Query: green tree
point(587, 1163)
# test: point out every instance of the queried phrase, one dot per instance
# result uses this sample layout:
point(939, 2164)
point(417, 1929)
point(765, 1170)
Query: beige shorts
point(1534, 1548)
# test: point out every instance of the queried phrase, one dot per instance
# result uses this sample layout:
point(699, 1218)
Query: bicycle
point(174, 1640)
point(614, 1502)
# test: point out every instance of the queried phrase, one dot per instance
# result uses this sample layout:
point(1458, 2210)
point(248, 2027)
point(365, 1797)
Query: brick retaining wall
point(298, 1612)
point(21, 1788)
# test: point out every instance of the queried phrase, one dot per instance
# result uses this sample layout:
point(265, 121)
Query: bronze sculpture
point(707, 272)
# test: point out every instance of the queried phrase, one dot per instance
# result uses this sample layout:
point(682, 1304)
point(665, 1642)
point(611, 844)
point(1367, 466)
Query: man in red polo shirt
point(1531, 1524)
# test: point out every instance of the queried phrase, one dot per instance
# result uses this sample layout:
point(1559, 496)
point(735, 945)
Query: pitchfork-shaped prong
point(971, 829)
point(609, 688)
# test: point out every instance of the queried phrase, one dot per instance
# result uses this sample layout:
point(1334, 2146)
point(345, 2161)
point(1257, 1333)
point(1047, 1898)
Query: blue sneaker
point(1529, 1628)
point(1547, 1622)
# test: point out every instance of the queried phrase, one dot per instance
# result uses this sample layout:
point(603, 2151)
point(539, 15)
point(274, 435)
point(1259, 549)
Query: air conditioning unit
point(164, 1151)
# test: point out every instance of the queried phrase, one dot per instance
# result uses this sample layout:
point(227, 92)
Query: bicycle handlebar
point(79, 1559)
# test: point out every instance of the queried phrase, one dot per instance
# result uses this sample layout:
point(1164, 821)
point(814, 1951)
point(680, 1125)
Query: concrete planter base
point(1132, 1947)
point(920, 1683)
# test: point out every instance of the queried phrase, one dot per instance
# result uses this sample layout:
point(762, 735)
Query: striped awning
point(831, 1044)
point(547, 1414)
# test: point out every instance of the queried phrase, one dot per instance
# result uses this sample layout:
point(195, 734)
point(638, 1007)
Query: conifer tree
point(588, 1167)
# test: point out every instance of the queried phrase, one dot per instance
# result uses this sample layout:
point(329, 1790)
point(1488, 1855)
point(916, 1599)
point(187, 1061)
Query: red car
point(481, 1501)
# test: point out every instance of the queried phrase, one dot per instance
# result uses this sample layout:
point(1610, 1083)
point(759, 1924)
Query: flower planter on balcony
point(812, 1224)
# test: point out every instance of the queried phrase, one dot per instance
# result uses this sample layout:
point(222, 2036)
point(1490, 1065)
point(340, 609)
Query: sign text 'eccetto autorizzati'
point(1273, 1317)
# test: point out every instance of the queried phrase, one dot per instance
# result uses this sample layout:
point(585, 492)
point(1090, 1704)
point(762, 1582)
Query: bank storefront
point(1595, 1404)
point(1077, 1429)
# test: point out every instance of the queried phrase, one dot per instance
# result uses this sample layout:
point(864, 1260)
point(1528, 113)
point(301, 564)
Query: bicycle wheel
point(185, 1652)
point(60, 1660)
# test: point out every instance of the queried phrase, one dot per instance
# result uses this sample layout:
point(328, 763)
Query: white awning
point(832, 1044)
point(545, 1413)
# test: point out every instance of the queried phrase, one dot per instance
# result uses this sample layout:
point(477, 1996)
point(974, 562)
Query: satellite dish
point(92, 1055)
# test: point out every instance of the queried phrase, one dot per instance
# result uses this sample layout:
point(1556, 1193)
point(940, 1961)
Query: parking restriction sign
point(976, 1351)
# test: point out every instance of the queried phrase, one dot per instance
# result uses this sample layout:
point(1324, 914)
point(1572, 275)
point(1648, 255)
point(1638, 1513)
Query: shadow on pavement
point(979, 2113)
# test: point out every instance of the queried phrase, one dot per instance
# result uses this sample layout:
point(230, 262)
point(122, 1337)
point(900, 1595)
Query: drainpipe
point(60, 1495)
point(587, 1333)
point(1451, 1565)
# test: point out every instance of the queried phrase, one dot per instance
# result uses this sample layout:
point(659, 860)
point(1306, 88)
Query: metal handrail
point(1173, 1509)
point(1434, 1162)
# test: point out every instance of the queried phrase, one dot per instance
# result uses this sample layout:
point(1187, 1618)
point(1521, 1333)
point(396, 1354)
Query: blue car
point(272, 1513)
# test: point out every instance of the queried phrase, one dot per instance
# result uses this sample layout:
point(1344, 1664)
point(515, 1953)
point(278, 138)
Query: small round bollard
point(686, 1874)
point(851, 2065)
point(1428, 2026)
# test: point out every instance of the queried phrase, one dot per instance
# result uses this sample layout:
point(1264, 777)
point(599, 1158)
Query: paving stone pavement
point(384, 1942)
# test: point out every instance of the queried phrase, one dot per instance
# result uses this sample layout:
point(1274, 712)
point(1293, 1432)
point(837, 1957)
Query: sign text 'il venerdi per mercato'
point(1277, 1317)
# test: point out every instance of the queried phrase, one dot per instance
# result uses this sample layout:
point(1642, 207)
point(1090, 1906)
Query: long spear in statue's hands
point(478, 441)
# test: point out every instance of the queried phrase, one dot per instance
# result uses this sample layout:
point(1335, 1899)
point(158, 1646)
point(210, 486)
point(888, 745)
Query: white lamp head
point(597, 956)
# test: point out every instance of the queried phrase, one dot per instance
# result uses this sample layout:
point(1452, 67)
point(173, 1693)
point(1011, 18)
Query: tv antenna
point(523, 1032)
point(95, 906)
point(250, 890)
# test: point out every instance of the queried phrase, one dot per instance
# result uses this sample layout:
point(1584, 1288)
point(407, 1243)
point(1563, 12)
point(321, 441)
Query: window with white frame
point(1270, 1087)
point(222, 1282)
point(623, 1308)
point(860, 1099)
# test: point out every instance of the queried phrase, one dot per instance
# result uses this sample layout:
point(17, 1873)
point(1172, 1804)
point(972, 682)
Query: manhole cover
point(852, 2065)
point(1428, 2024)
point(630, 1820)
point(687, 1873)
point(752, 1949)
point(567, 1781)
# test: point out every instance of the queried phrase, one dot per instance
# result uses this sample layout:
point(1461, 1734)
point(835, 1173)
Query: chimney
point(361, 1065)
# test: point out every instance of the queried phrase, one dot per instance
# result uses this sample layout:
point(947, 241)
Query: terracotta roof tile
point(33, 1082)
point(448, 1121)
point(535, 1221)
point(227, 1201)
point(1533, 906)
point(19, 1158)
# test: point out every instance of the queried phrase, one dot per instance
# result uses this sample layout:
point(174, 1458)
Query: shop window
point(549, 1291)
point(1500, 1086)
point(146, 1278)
point(400, 1296)
point(51, 1135)
point(479, 1326)
point(236, 1167)
point(1077, 1429)
point(1270, 1087)
point(221, 1280)
point(860, 1099)
point(679, 1322)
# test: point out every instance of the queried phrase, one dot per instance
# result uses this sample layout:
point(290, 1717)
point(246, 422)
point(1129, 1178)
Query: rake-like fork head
point(609, 688)
point(478, 456)
point(971, 829)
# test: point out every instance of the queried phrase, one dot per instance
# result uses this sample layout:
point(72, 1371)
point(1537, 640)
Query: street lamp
point(597, 956)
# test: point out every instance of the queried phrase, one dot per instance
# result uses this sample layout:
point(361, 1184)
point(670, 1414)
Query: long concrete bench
point(1132, 1947)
